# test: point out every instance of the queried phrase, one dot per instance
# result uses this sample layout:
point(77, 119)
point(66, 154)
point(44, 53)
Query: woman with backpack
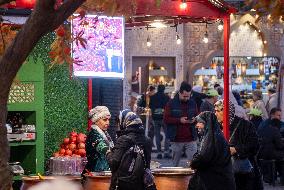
point(131, 137)
point(212, 163)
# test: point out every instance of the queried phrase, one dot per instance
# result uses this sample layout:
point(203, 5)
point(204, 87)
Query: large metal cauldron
point(172, 178)
point(30, 181)
point(98, 181)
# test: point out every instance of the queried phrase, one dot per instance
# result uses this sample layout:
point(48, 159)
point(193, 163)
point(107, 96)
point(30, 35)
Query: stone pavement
point(183, 163)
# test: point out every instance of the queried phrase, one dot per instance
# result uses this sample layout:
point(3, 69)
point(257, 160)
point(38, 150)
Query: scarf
point(105, 135)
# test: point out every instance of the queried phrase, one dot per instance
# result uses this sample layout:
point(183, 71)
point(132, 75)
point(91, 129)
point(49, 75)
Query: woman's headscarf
point(219, 105)
point(209, 120)
point(98, 113)
point(128, 119)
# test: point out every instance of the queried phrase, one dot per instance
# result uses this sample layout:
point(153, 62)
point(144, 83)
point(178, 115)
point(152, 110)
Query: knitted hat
point(255, 112)
point(98, 112)
point(212, 93)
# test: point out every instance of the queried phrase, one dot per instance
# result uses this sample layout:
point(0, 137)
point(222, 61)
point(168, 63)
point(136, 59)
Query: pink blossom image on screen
point(104, 52)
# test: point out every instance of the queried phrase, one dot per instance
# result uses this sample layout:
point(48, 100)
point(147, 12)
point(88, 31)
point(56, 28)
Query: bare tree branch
point(2, 2)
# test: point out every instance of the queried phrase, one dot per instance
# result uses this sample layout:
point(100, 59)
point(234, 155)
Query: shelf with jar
point(247, 73)
point(160, 76)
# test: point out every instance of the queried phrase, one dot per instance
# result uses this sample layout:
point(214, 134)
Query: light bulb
point(205, 39)
point(178, 39)
point(183, 5)
point(148, 42)
point(220, 25)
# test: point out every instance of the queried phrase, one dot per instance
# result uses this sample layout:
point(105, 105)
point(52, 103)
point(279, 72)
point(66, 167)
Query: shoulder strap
point(235, 130)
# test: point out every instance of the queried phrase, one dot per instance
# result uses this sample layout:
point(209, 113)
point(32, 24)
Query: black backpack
point(131, 169)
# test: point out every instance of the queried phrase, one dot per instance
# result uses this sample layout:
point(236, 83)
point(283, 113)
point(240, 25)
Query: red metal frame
point(226, 21)
point(90, 100)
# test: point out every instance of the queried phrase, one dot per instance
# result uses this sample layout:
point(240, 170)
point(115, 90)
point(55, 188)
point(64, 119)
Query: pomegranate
point(82, 152)
point(66, 140)
point(62, 151)
point(56, 154)
point(73, 139)
point(72, 146)
point(68, 152)
point(81, 138)
point(73, 134)
point(81, 146)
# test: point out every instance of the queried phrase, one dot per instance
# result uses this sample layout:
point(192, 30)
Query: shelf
point(24, 143)
point(158, 72)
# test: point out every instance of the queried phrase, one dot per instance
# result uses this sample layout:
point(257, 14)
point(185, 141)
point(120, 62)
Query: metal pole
point(226, 77)
point(90, 99)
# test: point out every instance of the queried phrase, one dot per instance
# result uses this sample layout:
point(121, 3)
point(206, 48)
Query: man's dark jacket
point(272, 146)
point(175, 109)
point(157, 104)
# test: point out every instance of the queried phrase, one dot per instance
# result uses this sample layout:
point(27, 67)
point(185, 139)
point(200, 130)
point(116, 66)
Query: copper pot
point(30, 181)
point(172, 178)
point(98, 181)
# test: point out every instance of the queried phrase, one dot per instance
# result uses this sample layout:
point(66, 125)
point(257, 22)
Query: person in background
point(157, 104)
point(143, 102)
point(243, 145)
point(219, 89)
point(98, 140)
point(212, 163)
point(272, 146)
point(272, 100)
point(198, 96)
point(275, 114)
point(209, 101)
point(130, 132)
point(178, 116)
point(237, 97)
point(255, 116)
point(258, 103)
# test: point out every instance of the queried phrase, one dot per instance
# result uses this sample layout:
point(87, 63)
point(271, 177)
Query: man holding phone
point(179, 117)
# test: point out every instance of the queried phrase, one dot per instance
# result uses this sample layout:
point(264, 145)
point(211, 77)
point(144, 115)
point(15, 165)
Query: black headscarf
point(214, 148)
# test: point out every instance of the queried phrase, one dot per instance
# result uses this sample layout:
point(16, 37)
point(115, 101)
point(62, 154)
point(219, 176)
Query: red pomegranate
point(66, 140)
point(73, 139)
point(73, 134)
point(81, 138)
point(68, 152)
point(82, 152)
point(62, 151)
point(81, 145)
point(56, 154)
point(72, 146)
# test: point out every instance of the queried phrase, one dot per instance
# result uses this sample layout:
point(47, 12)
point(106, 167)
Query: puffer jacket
point(125, 140)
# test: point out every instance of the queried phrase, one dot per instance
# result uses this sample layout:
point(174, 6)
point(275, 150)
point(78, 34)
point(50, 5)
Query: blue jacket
point(175, 111)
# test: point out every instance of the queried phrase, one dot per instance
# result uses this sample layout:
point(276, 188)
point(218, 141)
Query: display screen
point(103, 55)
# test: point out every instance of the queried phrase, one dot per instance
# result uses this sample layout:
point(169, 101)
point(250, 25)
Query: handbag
point(240, 165)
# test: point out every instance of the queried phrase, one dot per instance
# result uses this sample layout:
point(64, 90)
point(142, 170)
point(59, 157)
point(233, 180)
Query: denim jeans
point(158, 124)
point(178, 147)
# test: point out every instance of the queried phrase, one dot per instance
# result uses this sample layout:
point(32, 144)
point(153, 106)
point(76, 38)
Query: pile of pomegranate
point(74, 145)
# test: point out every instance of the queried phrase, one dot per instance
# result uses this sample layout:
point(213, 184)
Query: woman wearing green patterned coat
point(98, 140)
